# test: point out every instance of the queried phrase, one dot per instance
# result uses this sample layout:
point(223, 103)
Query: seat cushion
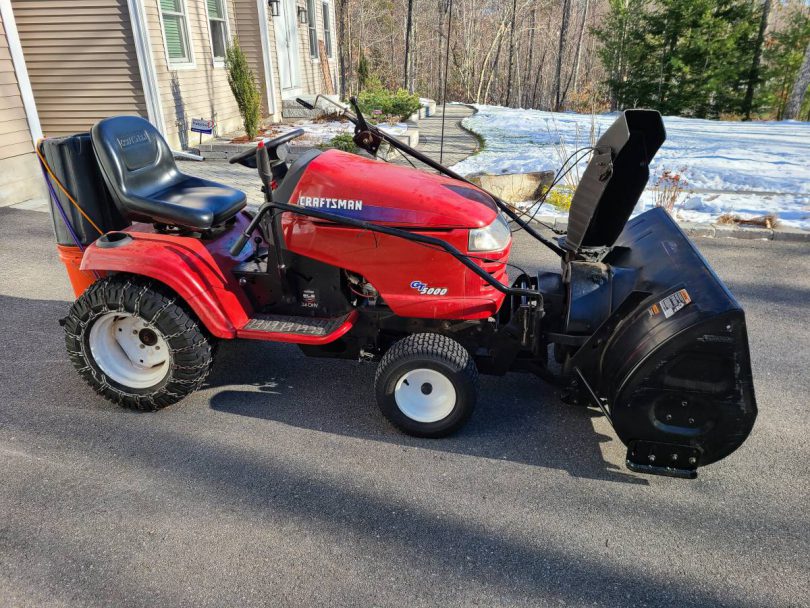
point(145, 183)
point(198, 203)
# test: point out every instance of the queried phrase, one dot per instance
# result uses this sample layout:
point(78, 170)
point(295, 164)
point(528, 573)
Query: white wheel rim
point(129, 350)
point(425, 395)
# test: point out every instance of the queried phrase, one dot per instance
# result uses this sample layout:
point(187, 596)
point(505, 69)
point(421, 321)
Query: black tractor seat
point(146, 185)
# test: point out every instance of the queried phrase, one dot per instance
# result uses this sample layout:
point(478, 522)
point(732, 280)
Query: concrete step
point(292, 110)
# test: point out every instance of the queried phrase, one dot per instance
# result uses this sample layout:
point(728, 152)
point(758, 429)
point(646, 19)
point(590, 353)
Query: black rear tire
point(187, 353)
point(427, 385)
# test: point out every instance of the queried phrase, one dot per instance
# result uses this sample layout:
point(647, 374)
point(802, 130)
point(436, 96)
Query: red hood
point(353, 186)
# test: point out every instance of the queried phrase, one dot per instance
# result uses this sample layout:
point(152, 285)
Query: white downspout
point(18, 59)
point(146, 64)
point(264, 32)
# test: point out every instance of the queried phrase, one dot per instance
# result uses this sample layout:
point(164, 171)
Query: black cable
point(558, 177)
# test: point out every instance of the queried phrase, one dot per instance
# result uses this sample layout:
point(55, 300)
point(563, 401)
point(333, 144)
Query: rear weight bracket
point(667, 459)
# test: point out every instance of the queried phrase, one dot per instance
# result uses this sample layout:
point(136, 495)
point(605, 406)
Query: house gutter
point(21, 71)
point(146, 64)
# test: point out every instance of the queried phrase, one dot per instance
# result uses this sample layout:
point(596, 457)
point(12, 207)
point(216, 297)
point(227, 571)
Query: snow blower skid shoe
point(357, 259)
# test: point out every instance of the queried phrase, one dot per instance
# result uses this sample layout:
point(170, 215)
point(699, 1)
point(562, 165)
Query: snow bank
point(748, 168)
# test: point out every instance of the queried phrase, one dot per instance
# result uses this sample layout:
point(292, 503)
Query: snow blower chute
point(357, 259)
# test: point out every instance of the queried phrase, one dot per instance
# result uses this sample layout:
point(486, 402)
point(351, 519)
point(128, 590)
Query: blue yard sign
point(201, 125)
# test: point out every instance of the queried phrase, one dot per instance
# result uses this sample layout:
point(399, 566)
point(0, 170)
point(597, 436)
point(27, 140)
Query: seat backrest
point(134, 158)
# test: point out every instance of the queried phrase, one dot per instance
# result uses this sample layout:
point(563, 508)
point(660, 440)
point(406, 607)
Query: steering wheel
point(270, 144)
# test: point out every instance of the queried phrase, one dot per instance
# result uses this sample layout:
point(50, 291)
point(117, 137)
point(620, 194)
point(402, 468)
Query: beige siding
point(200, 91)
point(20, 179)
point(250, 39)
point(15, 138)
point(81, 61)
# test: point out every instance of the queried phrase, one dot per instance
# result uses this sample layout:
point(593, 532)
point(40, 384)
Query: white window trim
point(189, 65)
point(214, 61)
point(330, 51)
point(146, 63)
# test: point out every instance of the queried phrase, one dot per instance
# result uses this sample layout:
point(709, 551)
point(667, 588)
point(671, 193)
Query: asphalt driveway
point(281, 484)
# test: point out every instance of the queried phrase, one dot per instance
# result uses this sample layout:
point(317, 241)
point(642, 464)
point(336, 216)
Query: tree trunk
point(558, 100)
point(511, 55)
point(408, 28)
point(753, 73)
point(483, 73)
point(579, 46)
point(794, 104)
point(342, 45)
point(530, 60)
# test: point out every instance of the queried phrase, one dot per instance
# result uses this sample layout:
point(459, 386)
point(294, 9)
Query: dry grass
point(763, 221)
point(668, 188)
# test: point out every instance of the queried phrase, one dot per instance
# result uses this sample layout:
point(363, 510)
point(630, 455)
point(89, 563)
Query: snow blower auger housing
point(353, 258)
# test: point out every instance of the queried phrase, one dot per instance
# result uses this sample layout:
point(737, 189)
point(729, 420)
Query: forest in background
point(704, 58)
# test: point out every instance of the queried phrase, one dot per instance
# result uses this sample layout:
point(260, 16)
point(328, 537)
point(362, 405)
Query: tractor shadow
point(518, 418)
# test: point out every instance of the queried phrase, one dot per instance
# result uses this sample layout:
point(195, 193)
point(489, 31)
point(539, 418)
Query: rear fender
point(198, 274)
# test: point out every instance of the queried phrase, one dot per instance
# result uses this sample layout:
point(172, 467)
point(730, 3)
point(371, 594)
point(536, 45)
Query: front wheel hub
point(425, 395)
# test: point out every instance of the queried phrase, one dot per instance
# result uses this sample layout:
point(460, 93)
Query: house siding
point(20, 179)
point(201, 91)
point(250, 39)
point(81, 61)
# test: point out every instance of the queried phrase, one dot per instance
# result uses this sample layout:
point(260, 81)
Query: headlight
point(494, 237)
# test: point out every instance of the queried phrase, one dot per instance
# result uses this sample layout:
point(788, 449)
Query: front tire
point(135, 345)
point(427, 385)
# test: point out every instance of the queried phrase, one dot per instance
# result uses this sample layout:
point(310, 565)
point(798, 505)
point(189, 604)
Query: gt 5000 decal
point(318, 202)
point(426, 290)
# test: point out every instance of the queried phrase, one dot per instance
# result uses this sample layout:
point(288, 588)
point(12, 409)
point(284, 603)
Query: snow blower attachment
point(664, 350)
point(357, 259)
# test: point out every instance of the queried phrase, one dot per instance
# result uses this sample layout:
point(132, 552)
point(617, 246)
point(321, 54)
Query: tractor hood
point(614, 179)
point(350, 185)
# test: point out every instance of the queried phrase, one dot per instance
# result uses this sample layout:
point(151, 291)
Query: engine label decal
point(671, 304)
point(426, 290)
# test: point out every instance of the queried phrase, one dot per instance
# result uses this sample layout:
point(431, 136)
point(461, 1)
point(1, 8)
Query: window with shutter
point(218, 24)
point(175, 31)
point(313, 30)
point(327, 29)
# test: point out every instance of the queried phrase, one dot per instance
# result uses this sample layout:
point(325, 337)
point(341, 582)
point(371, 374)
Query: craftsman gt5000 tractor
point(354, 258)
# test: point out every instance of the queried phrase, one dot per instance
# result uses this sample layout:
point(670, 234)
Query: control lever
point(364, 137)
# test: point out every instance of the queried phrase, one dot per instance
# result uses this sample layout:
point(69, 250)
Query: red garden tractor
point(354, 258)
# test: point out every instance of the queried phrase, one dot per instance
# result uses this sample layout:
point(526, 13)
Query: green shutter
point(215, 9)
point(172, 6)
point(174, 37)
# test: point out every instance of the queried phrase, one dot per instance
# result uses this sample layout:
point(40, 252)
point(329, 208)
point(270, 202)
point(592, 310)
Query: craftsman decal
point(317, 202)
point(425, 290)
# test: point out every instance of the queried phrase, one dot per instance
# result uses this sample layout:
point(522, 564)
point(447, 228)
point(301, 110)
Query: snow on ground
point(745, 168)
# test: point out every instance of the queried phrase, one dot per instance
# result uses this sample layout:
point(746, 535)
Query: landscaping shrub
point(344, 141)
point(560, 198)
point(243, 85)
point(380, 104)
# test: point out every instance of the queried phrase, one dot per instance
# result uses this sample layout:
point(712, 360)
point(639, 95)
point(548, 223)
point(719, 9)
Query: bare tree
point(753, 73)
point(558, 99)
point(794, 104)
